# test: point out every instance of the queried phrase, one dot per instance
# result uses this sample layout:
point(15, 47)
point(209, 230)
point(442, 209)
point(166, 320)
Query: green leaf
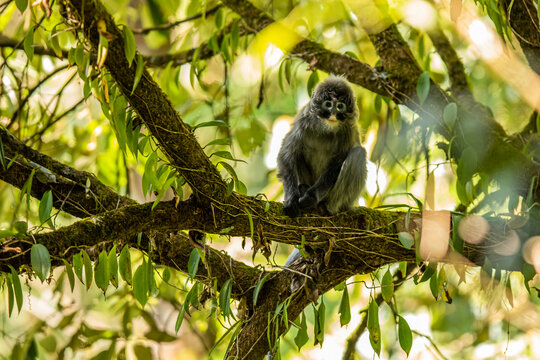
point(302, 336)
point(11, 299)
point(124, 264)
point(250, 219)
point(312, 82)
point(241, 188)
point(21, 227)
point(344, 308)
point(406, 239)
point(222, 141)
point(2, 156)
point(140, 284)
point(235, 36)
point(138, 72)
point(387, 287)
point(28, 44)
point(225, 298)
point(41, 261)
point(528, 272)
point(102, 271)
point(45, 206)
point(434, 286)
point(351, 54)
point(193, 263)
point(404, 335)
point(21, 5)
point(219, 18)
point(403, 268)
point(88, 271)
point(450, 115)
point(17, 288)
point(422, 87)
point(210, 123)
point(319, 320)
point(374, 327)
point(467, 165)
point(113, 267)
point(70, 274)
point(180, 318)
point(258, 289)
point(78, 266)
point(130, 46)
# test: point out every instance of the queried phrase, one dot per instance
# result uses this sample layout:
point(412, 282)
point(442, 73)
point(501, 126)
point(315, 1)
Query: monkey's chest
point(318, 159)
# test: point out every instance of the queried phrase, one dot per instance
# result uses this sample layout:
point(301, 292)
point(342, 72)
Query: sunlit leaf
point(102, 271)
point(387, 287)
point(78, 266)
point(21, 5)
point(140, 284)
point(422, 87)
point(130, 46)
point(69, 273)
point(225, 298)
point(406, 239)
point(450, 115)
point(138, 72)
point(344, 308)
point(312, 82)
point(404, 335)
point(11, 298)
point(193, 263)
point(45, 206)
point(302, 336)
point(319, 323)
point(88, 270)
point(29, 44)
point(258, 289)
point(113, 266)
point(373, 326)
point(41, 261)
point(17, 288)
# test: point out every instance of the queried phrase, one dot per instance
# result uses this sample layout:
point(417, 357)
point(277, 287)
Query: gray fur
point(322, 163)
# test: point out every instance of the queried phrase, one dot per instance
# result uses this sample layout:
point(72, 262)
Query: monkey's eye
point(327, 105)
point(341, 107)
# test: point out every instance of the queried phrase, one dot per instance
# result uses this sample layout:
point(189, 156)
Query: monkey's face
point(333, 102)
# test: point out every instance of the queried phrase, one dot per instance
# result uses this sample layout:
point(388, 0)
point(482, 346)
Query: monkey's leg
point(320, 189)
point(350, 182)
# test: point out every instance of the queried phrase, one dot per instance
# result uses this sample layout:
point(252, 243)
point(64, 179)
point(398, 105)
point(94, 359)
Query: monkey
point(321, 163)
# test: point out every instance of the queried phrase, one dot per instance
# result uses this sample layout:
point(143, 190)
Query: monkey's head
point(333, 102)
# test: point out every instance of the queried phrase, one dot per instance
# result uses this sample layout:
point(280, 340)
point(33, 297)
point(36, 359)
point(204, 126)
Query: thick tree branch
point(523, 20)
point(173, 136)
point(70, 191)
point(315, 54)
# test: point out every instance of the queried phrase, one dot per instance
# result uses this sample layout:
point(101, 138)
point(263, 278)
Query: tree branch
point(152, 105)
point(70, 191)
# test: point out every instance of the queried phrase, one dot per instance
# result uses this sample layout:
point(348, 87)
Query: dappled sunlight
point(435, 234)
point(500, 58)
point(531, 252)
point(508, 245)
point(473, 229)
point(420, 14)
point(281, 127)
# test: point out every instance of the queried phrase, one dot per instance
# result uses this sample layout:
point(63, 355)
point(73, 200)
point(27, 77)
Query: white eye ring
point(341, 107)
point(327, 104)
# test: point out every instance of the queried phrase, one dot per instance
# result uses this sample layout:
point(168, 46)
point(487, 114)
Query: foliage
point(131, 149)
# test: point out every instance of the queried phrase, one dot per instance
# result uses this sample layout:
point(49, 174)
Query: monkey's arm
point(290, 158)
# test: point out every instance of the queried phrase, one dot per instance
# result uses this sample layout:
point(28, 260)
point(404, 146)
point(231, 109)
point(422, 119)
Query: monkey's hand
point(308, 200)
point(291, 208)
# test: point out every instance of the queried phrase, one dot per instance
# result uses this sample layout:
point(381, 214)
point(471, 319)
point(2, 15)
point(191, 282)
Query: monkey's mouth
point(332, 120)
